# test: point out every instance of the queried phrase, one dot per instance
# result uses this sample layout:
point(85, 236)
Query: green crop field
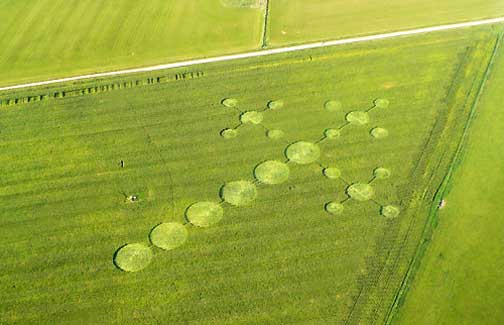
point(298, 21)
point(460, 279)
point(290, 188)
point(45, 39)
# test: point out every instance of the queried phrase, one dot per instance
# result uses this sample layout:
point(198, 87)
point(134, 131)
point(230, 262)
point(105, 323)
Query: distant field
point(460, 278)
point(298, 21)
point(324, 234)
point(52, 38)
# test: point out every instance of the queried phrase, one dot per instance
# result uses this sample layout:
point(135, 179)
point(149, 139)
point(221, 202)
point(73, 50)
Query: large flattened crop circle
point(360, 191)
point(133, 257)
point(168, 236)
point(357, 118)
point(272, 172)
point(303, 152)
point(239, 193)
point(204, 214)
point(253, 117)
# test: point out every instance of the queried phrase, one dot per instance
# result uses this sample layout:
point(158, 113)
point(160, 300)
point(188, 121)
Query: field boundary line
point(260, 53)
point(264, 41)
point(444, 187)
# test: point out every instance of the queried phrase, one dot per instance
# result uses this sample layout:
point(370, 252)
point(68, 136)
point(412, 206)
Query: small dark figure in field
point(121, 163)
point(130, 198)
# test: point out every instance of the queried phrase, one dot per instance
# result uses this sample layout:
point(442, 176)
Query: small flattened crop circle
point(332, 133)
point(230, 102)
point(229, 133)
point(379, 133)
point(253, 117)
point(333, 105)
point(357, 118)
point(133, 257)
point(332, 172)
point(381, 173)
point(168, 236)
point(272, 172)
point(334, 208)
point(204, 214)
point(360, 191)
point(382, 103)
point(303, 152)
point(275, 134)
point(275, 104)
point(390, 211)
point(239, 193)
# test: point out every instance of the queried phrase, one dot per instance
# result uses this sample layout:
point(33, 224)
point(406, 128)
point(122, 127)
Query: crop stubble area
point(66, 201)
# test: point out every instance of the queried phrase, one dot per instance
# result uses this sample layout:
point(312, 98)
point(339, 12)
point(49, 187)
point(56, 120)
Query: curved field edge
point(441, 193)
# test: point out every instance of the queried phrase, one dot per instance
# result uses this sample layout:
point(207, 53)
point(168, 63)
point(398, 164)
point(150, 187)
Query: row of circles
point(168, 236)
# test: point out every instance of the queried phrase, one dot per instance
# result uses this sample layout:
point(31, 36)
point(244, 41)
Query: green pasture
point(291, 188)
point(300, 21)
point(45, 39)
point(460, 278)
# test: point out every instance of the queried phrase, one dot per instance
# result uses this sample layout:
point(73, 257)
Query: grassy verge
point(440, 257)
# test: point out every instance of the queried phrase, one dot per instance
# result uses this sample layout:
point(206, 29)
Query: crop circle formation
point(360, 191)
point(332, 172)
point(390, 211)
point(332, 133)
point(358, 118)
point(333, 105)
point(275, 134)
point(334, 208)
point(275, 104)
point(382, 103)
point(168, 236)
point(239, 193)
point(381, 173)
point(379, 133)
point(204, 214)
point(303, 152)
point(229, 133)
point(230, 102)
point(133, 257)
point(253, 117)
point(272, 172)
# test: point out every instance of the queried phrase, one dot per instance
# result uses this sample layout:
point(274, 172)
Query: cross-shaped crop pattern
point(167, 236)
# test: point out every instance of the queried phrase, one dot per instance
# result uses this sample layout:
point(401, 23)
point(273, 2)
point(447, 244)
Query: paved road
point(264, 52)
